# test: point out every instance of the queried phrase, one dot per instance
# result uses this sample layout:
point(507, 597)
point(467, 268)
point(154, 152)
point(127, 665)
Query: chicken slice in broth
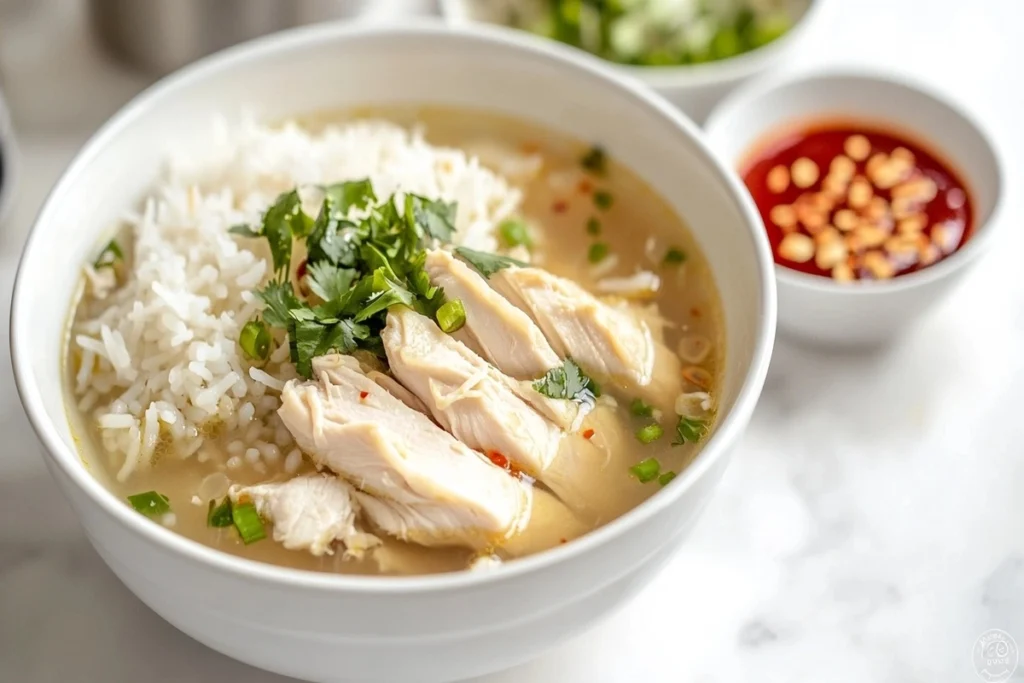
point(310, 513)
point(417, 482)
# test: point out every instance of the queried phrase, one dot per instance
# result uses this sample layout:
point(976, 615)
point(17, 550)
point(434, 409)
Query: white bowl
point(327, 627)
point(818, 309)
point(694, 88)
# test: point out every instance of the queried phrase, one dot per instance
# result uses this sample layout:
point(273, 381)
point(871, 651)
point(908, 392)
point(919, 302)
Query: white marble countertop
point(869, 529)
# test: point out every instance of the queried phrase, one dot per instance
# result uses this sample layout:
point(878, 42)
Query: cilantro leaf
point(309, 335)
point(342, 337)
point(568, 382)
point(352, 193)
point(282, 222)
point(487, 264)
point(333, 239)
point(387, 293)
point(328, 281)
point(280, 300)
point(690, 430)
point(245, 230)
point(436, 217)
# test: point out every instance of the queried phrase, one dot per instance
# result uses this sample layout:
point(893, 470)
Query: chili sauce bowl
point(694, 88)
point(832, 309)
point(334, 627)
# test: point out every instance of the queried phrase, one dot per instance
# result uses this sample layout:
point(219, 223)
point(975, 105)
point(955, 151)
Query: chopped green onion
point(514, 233)
point(603, 199)
point(690, 430)
point(674, 256)
point(248, 522)
point(150, 503)
point(219, 515)
point(255, 340)
point(595, 161)
point(593, 226)
point(597, 252)
point(110, 256)
point(666, 477)
point(641, 409)
point(649, 433)
point(451, 316)
point(646, 470)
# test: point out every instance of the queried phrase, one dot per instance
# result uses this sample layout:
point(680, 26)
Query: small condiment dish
point(864, 312)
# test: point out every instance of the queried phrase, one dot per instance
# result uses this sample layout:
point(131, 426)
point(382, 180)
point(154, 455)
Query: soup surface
point(855, 202)
point(177, 363)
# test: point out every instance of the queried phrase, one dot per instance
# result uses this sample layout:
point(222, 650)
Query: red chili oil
point(822, 142)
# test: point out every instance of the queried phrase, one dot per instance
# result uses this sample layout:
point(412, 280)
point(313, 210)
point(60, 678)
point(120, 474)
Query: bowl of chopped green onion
point(693, 52)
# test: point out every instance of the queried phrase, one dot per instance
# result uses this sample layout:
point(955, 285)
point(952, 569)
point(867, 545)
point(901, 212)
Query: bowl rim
point(749, 96)
point(685, 75)
point(65, 458)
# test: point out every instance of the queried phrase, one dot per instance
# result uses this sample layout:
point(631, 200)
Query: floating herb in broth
point(331, 278)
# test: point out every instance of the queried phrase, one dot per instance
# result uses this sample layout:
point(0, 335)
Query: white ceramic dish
point(693, 88)
point(818, 309)
point(326, 627)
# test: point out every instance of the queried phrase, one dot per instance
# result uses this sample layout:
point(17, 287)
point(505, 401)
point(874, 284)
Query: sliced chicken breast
point(494, 329)
point(415, 481)
point(310, 512)
point(608, 342)
point(479, 405)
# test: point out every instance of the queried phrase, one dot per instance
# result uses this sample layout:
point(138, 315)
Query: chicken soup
point(395, 341)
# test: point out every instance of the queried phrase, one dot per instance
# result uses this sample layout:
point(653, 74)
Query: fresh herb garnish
point(255, 340)
point(487, 264)
point(646, 470)
point(593, 226)
point(514, 233)
point(641, 409)
point(451, 316)
point(110, 256)
point(674, 256)
point(649, 433)
point(219, 515)
point(603, 199)
point(690, 430)
point(357, 270)
point(568, 381)
point(595, 160)
point(282, 223)
point(248, 522)
point(150, 503)
point(597, 252)
point(666, 477)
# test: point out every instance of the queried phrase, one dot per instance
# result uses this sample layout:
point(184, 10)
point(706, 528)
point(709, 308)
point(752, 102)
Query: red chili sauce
point(853, 202)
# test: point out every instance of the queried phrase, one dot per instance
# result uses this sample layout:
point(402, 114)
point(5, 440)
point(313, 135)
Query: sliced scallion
point(248, 522)
point(597, 252)
point(219, 515)
point(603, 199)
point(255, 340)
point(641, 409)
point(674, 256)
point(514, 233)
point(649, 433)
point(690, 430)
point(646, 470)
point(110, 256)
point(593, 226)
point(451, 316)
point(595, 160)
point(666, 477)
point(150, 503)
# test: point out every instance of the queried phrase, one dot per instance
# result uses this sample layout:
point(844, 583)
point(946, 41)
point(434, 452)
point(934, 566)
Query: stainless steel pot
point(160, 36)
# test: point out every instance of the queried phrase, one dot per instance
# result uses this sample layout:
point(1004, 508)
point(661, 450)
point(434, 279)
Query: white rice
point(158, 359)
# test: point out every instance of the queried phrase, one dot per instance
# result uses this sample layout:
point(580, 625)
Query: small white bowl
point(694, 88)
point(816, 308)
point(330, 627)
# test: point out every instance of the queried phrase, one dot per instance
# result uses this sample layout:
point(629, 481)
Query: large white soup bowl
point(327, 627)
